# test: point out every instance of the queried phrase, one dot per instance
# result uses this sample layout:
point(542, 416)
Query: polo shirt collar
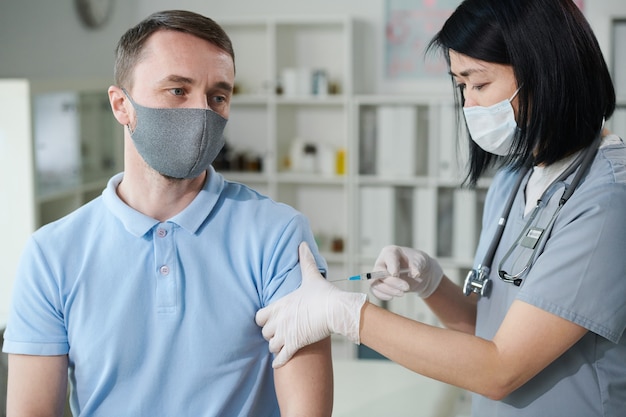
point(190, 219)
point(196, 213)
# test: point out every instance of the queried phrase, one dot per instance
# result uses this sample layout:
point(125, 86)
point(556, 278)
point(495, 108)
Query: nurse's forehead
point(463, 65)
point(466, 72)
point(477, 68)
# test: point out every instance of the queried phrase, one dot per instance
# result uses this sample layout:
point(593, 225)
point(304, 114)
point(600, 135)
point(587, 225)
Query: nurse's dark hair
point(566, 88)
point(131, 45)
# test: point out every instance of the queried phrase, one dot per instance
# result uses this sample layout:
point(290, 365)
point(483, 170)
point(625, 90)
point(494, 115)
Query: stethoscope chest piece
point(477, 281)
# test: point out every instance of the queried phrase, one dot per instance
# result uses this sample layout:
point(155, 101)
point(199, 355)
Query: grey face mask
point(178, 142)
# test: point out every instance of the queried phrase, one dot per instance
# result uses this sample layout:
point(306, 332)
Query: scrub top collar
point(190, 219)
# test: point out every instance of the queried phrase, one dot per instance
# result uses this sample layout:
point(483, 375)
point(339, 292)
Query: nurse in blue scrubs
point(537, 329)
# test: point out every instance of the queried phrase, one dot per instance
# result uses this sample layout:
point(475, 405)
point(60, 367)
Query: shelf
point(250, 100)
point(405, 165)
point(402, 173)
point(421, 181)
point(245, 177)
point(51, 192)
point(334, 257)
point(311, 100)
point(311, 179)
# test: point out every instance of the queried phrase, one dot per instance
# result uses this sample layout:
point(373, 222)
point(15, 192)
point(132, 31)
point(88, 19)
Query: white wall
point(369, 12)
point(43, 40)
point(600, 13)
point(17, 209)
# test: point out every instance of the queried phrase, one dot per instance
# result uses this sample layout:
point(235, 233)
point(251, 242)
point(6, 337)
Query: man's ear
point(120, 105)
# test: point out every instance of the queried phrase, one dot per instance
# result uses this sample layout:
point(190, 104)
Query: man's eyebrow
point(177, 79)
point(224, 86)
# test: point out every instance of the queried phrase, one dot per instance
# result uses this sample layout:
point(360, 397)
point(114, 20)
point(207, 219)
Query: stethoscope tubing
point(582, 162)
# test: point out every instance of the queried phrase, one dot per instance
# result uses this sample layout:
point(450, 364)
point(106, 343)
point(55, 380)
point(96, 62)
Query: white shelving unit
point(272, 122)
point(426, 208)
point(406, 165)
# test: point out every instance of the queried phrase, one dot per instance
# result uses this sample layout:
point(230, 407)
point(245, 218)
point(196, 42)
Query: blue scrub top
point(579, 275)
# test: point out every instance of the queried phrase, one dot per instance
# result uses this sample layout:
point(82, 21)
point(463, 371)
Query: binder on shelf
point(396, 140)
point(447, 141)
point(386, 218)
point(445, 222)
point(376, 223)
point(403, 216)
point(425, 219)
point(367, 142)
point(465, 230)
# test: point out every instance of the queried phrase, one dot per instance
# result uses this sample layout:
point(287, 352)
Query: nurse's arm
point(528, 340)
point(453, 309)
point(37, 386)
point(304, 385)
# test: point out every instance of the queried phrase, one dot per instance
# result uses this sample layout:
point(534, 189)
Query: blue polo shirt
point(157, 318)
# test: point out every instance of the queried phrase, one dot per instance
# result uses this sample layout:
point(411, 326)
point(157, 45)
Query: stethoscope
point(477, 280)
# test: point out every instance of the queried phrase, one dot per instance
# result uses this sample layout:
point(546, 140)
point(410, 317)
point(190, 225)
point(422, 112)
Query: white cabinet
point(77, 148)
point(418, 204)
point(407, 164)
point(59, 144)
point(17, 192)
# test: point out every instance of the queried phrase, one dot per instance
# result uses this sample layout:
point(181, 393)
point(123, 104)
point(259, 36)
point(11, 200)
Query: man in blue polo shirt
point(143, 300)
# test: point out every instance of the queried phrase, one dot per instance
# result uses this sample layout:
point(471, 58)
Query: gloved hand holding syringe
point(318, 308)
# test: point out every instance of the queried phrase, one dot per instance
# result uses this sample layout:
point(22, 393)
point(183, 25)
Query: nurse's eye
point(178, 91)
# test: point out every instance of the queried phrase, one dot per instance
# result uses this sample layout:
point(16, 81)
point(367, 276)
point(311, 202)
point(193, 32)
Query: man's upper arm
point(304, 386)
point(37, 385)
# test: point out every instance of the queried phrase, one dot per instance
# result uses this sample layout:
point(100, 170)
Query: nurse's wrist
point(433, 281)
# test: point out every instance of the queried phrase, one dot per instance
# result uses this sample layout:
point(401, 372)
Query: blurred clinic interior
point(336, 112)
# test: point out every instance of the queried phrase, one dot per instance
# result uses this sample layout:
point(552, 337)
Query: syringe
point(373, 275)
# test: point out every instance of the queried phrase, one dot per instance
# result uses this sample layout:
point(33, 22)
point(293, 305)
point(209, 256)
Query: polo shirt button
point(161, 232)
point(164, 270)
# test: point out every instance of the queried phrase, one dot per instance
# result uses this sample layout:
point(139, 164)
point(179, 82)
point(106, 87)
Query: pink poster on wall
point(409, 26)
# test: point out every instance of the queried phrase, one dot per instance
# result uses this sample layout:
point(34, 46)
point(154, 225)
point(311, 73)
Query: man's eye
point(178, 91)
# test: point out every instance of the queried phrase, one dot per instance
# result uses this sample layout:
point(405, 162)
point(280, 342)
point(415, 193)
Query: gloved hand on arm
point(309, 314)
point(424, 275)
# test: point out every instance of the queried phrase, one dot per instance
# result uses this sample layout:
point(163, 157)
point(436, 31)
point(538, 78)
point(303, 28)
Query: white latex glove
point(424, 276)
point(310, 313)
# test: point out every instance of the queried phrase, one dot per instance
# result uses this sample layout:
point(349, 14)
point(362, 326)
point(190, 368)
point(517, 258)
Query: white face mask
point(493, 127)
